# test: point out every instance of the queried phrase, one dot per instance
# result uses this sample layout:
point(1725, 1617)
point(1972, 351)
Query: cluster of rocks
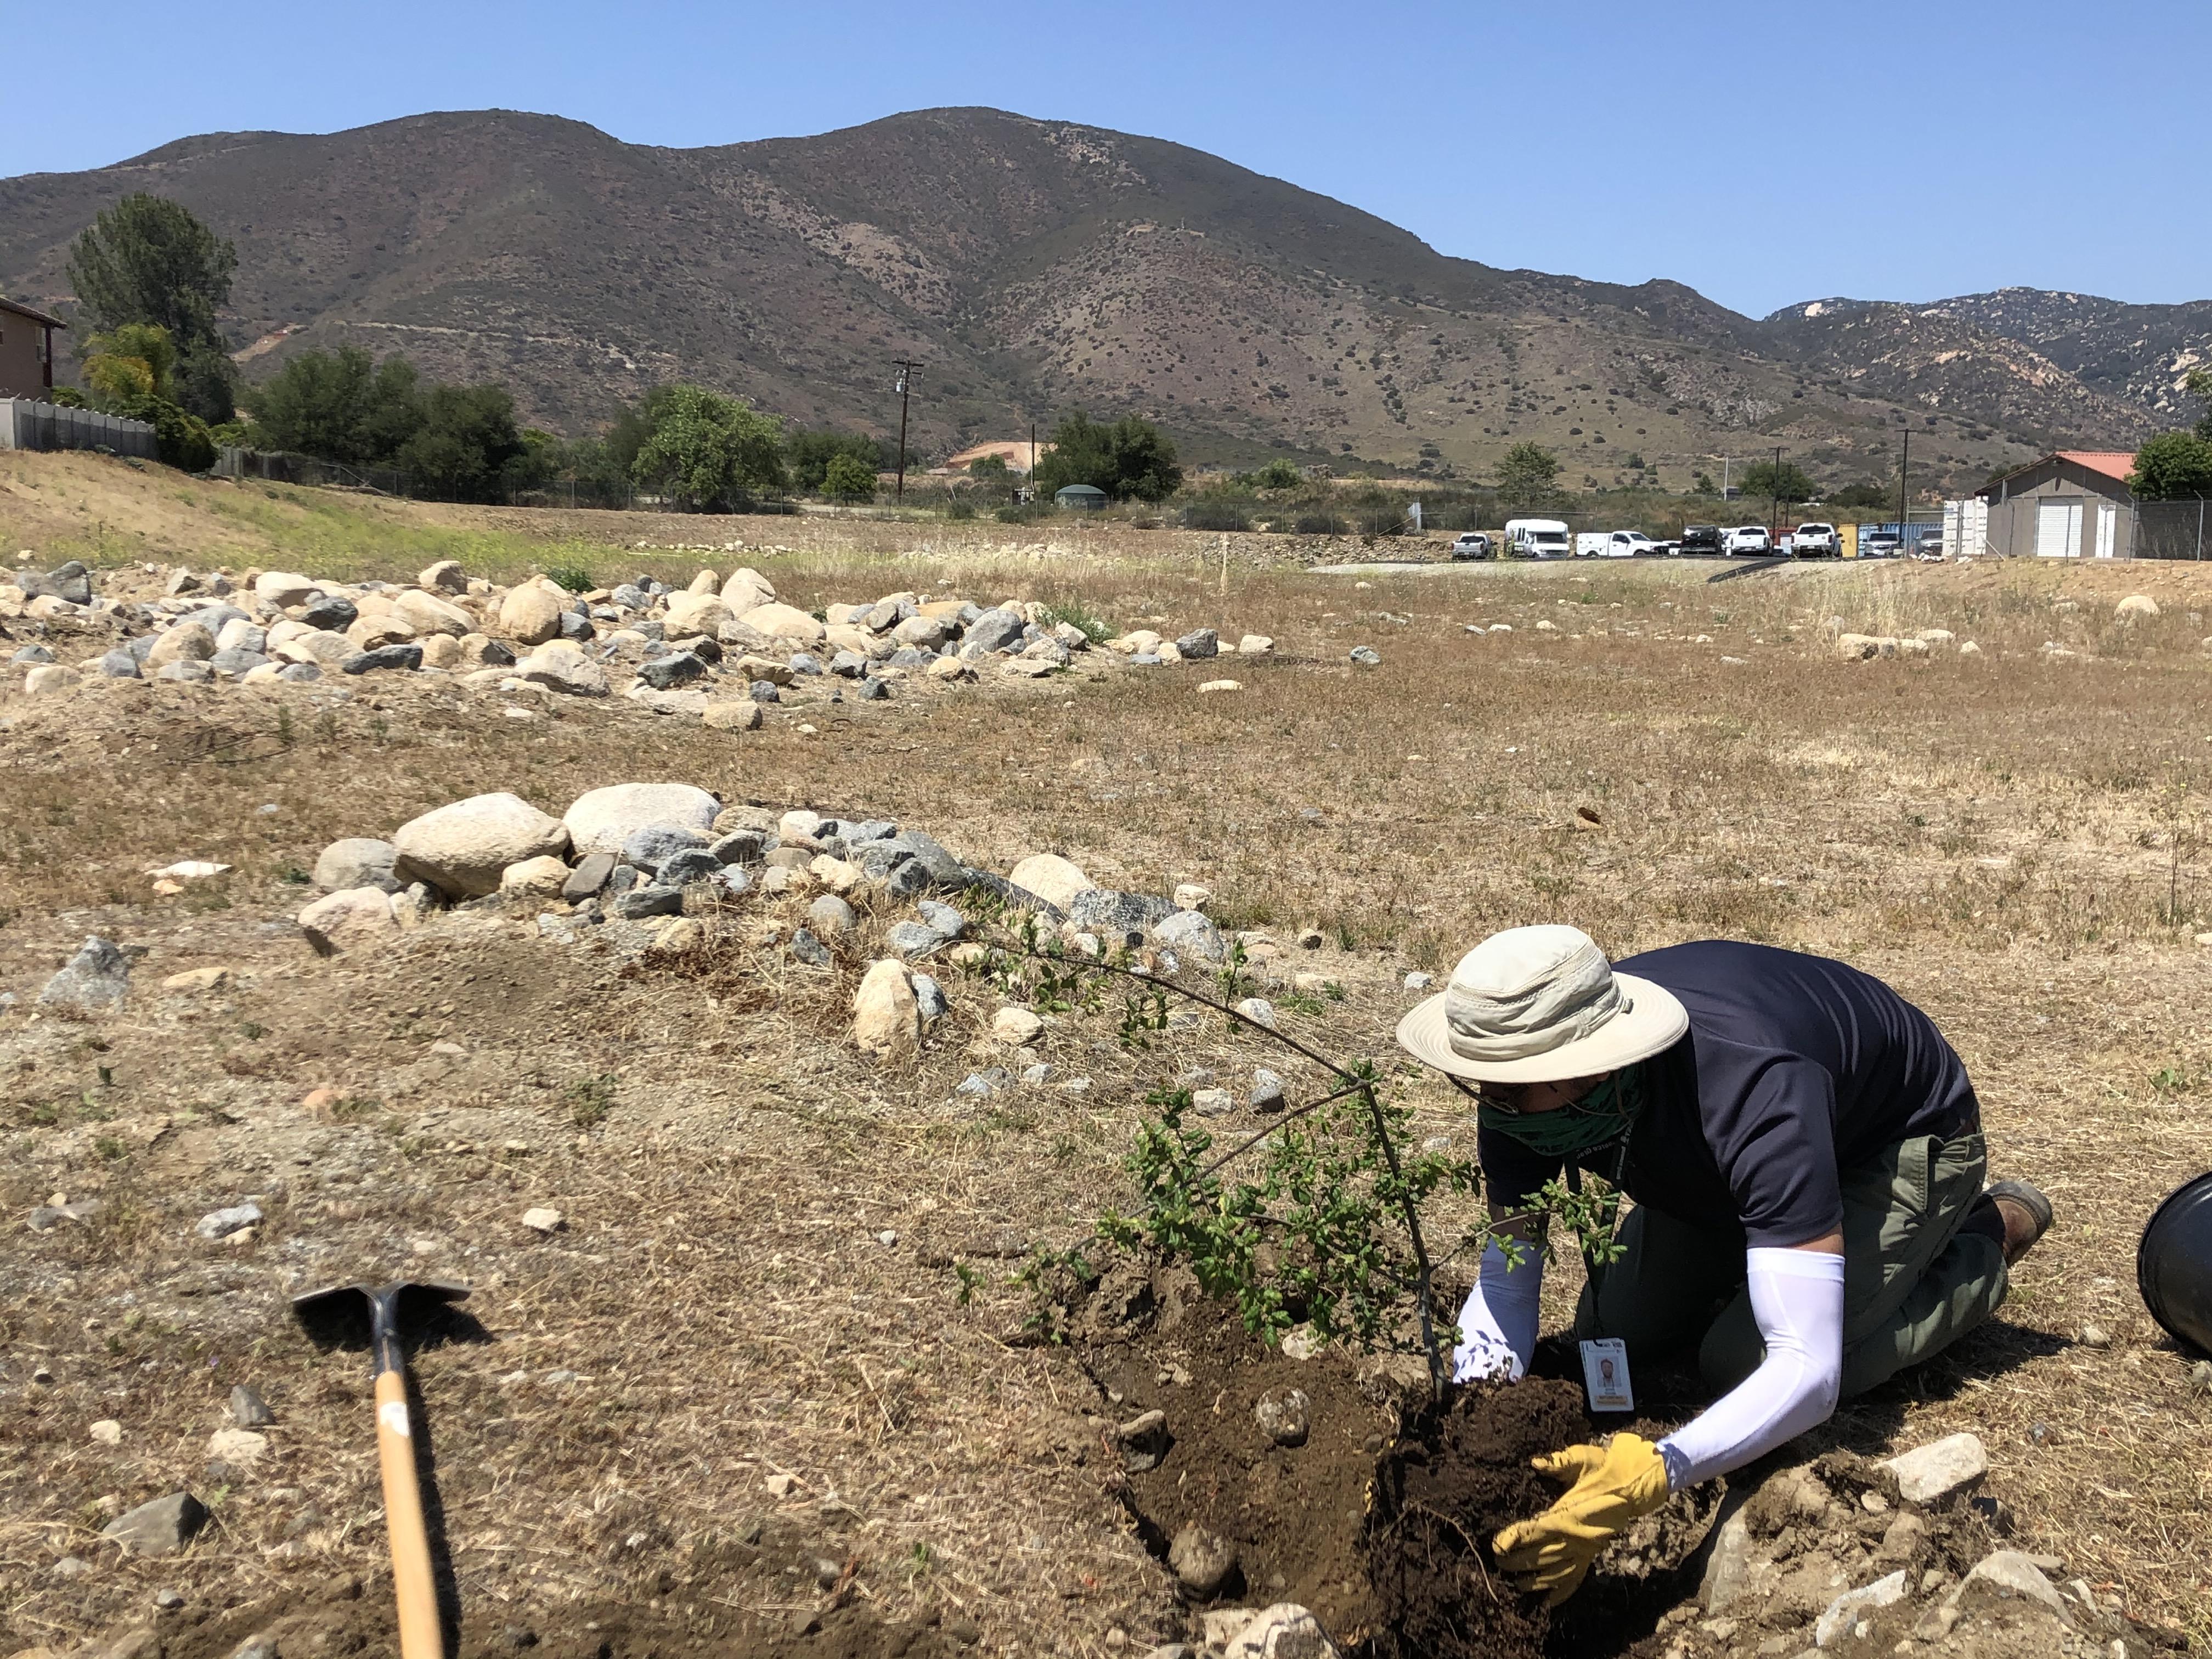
point(719, 648)
point(1865, 648)
point(1888, 1556)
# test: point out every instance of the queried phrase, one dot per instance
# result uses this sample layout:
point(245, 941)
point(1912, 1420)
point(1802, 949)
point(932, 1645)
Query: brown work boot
point(2021, 1214)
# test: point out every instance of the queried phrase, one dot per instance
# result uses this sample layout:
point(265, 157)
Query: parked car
point(1537, 538)
point(1701, 539)
point(1613, 545)
point(1747, 538)
point(1878, 544)
point(1815, 541)
point(1472, 545)
point(1929, 546)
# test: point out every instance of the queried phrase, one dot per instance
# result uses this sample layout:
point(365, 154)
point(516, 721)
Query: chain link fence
point(2170, 529)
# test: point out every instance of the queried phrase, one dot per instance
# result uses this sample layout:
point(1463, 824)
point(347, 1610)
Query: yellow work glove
point(1611, 1486)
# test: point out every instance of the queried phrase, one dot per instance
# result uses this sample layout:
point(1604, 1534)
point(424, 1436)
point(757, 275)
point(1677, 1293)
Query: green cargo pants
point(1913, 1283)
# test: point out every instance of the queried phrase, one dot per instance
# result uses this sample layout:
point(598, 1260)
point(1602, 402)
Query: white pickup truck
point(1815, 541)
point(1613, 544)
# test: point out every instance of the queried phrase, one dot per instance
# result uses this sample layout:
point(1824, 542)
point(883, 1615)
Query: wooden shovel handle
point(420, 1636)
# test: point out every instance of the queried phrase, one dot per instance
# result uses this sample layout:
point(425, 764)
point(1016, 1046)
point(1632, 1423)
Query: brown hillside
point(1033, 266)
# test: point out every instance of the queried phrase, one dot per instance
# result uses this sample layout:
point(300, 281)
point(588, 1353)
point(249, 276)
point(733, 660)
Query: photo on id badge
point(1605, 1376)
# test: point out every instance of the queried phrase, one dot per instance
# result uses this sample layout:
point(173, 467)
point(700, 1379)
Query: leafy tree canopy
point(338, 406)
point(808, 454)
point(1864, 496)
point(1782, 480)
point(465, 441)
point(147, 259)
point(136, 360)
point(1527, 476)
point(1128, 458)
point(2173, 467)
point(1278, 474)
point(708, 450)
point(848, 478)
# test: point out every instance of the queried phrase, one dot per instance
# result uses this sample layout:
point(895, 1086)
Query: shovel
point(343, 1306)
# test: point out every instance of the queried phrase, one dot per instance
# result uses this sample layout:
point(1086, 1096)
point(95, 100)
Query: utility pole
point(1724, 476)
point(1774, 535)
point(905, 372)
point(1904, 465)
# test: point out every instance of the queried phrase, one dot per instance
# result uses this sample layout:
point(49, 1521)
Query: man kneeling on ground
point(1805, 1155)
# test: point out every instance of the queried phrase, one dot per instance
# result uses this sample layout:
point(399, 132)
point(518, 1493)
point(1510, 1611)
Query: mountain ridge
point(1036, 265)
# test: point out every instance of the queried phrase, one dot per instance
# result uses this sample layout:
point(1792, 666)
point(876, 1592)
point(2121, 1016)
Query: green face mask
point(1604, 1115)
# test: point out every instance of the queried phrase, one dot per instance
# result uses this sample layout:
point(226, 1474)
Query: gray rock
point(260, 1645)
point(913, 940)
point(1267, 1094)
point(1213, 1103)
point(740, 846)
point(1192, 931)
point(693, 864)
point(1285, 1416)
point(992, 631)
point(1037, 1076)
point(911, 656)
point(1366, 656)
point(357, 861)
point(929, 998)
point(945, 873)
point(630, 597)
point(1419, 981)
point(31, 655)
point(764, 691)
point(1119, 912)
point(161, 1528)
point(981, 1085)
point(71, 1567)
point(141, 648)
point(576, 625)
point(1018, 898)
point(1259, 1011)
point(221, 1224)
point(1928, 1474)
point(831, 917)
point(247, 1408)
point(849, 664)
point(213, 617)
point(588, 877)
point(1146, 660)
point(878, 859)
point(299, 673)
point(1202, 1560)
point(809, 949)
point(331, 612)
point(405, 656)
point(653, 845)
point(803, 663)
point(120, 664)
point(167, 1600)
point(874, 692)
point(649, 901)
point(69, 581)
point(664, 673)
point(97, 976)
point(186, 670)
point(1200, 643)
point(701, 646)
point(1847, 1609)
point(942, 919)
point(2005, 1574)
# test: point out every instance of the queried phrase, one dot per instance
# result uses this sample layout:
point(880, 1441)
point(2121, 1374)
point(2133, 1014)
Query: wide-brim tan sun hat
point(1538, 1005)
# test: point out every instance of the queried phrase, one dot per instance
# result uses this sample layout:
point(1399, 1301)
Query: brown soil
point(779, 1596)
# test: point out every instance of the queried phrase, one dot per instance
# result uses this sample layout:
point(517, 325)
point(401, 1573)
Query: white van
point(1613, 544)
point(1538, 539)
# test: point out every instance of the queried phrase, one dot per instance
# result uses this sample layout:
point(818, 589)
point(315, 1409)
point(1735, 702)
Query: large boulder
point(319, 646)
point(1052, 878)
point(431, 614)
point(357, 861)
point(463, 849)
point(446, 576)
point(283, 589)
point(186, 642)
point(530, 612)
point(560, 666)
point(601, 820)
point(994, 630)
point(784, 622)
point(695, 613)
point(886, 1016)
point(358, 919)
point(97, 976)
point(746, 589)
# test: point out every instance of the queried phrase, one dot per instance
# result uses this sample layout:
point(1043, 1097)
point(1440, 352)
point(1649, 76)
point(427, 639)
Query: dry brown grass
point(1998, 836)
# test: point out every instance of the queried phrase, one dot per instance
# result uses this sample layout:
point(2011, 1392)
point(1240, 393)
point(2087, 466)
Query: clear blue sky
point(1761, 153)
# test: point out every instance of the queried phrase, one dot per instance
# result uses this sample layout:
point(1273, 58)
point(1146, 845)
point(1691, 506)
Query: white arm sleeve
point(1797, 1297)
point(1497, 1326)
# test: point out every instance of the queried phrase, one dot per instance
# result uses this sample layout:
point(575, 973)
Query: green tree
point(464, 444)
point(808, 455)
point(708, 451)
point(1703, 484)
point(2198, 384)
point(137, 359)
point(1278, 474)
point(848, 478)
point(2173, 467)
point(147, 259)
point(1865, 496)
point(1528, 476)
point(1130, 458)
point(338, 406)
point(1785, 480)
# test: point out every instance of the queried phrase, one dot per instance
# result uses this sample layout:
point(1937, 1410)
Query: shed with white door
point(2072, 504)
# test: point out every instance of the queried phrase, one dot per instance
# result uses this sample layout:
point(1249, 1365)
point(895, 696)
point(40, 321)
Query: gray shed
point(1090, 497)
point(2073, 504)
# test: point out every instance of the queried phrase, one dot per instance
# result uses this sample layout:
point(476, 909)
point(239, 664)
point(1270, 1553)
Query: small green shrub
point(1088, 623)
point(571, 578)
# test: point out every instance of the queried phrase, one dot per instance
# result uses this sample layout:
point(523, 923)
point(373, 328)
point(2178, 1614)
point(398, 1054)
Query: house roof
point(2112, 463)
point(36, 316)
point(2117, 464)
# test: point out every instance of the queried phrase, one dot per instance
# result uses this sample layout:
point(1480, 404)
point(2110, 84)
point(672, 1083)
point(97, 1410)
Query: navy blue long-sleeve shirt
point(1794, 1069)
